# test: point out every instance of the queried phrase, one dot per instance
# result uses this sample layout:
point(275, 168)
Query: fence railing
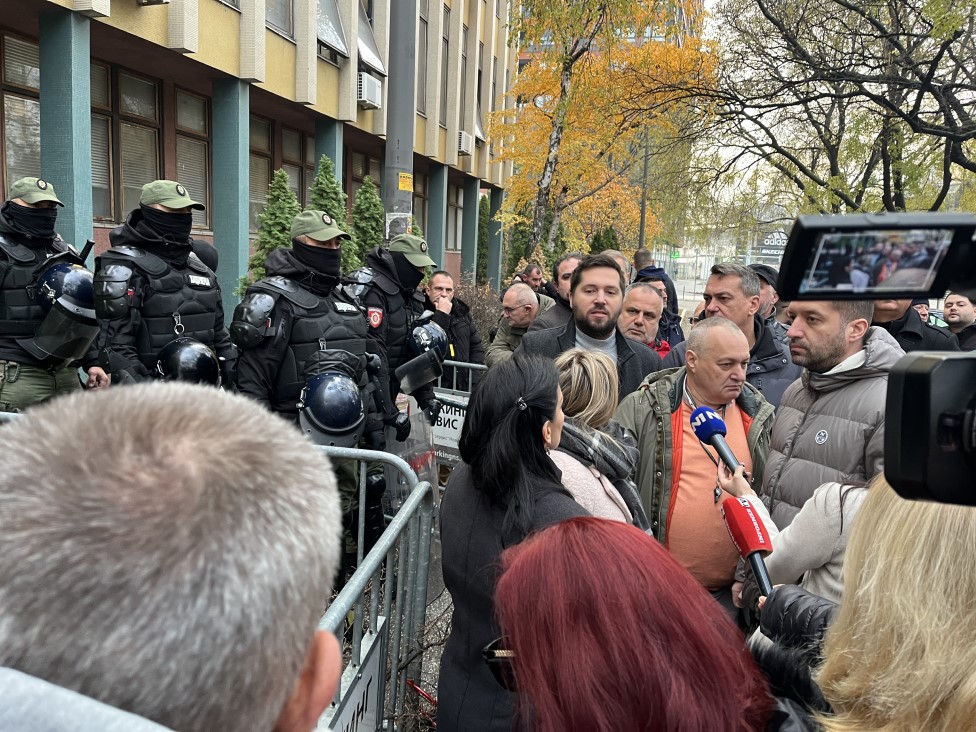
point(379, 614)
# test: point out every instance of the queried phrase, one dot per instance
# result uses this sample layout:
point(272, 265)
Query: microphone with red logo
point(750, 538)
point(710, 429)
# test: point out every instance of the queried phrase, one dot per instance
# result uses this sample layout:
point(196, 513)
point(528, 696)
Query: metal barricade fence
point(454, 396)
point(387, 596)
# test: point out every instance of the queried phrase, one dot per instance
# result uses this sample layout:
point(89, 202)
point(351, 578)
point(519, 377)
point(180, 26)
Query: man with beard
point(596, 296)
point(387, 288)
point(676, 473)
point(960, 315)
point(558, 288)
point(830, 422)
point(151, 288)
point(29, 375)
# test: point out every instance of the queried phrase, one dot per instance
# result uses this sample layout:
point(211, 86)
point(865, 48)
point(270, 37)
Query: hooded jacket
point(30, 703)
point(829, 428)
point(650, 413)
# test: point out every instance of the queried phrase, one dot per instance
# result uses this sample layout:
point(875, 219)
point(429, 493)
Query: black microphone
point(710, 428)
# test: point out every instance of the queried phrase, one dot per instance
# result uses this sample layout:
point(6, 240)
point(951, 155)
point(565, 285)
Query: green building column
point(66, 152)
point(231, 140)
point(469, 230)
point(437, 211)
point(494, 272)
point(329, 139)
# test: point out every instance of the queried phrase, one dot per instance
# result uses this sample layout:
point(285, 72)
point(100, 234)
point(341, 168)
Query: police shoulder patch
point(375, 316)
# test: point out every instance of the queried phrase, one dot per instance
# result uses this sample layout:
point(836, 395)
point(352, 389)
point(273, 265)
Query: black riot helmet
point(331, 410)
point(429, 337)
point(66, 293)
point(187, 359)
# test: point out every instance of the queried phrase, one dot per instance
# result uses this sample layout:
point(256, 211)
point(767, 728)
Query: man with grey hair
point(732, 292)
point(520, 306)
point(676, 474)
point(641, 316)
point(146, 584)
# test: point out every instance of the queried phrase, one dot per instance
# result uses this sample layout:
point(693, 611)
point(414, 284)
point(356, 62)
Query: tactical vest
point(400, 315)
point(173, 302)
point(336, 322)
point(19, 313)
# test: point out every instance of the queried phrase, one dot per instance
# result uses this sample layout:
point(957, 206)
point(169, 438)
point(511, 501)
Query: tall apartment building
point(102, 96)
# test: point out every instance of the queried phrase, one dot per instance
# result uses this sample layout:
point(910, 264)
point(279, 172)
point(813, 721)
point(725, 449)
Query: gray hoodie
point(30, 703)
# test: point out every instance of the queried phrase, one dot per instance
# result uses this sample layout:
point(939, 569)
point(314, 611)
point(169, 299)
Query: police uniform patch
point(423, 246)
point(375, 316)
point(180, 190)
point(42, 184)
point(326, 219)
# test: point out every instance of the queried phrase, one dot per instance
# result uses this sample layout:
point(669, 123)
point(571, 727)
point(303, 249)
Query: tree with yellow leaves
point(598, 72)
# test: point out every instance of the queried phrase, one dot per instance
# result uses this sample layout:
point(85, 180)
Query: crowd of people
point(146, 584)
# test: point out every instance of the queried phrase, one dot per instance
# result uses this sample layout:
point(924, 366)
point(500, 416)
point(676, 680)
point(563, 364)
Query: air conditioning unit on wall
point(369, 93)
point(465, 143)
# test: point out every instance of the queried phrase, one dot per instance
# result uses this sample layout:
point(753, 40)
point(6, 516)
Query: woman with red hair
point(607, 631)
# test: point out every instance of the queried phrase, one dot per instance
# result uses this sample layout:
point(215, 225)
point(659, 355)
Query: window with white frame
point(445, 52)
point(422, 58)
point(20, 112)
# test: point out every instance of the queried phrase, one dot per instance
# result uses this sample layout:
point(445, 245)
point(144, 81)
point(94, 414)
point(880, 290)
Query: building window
point(464, 76)
point(193, 151)
point(455, 218)
point(280, 15)
point(20, 112)
point(331, 36)
point(420, 200)
point(359, 167)
point(293, 163)
point(259, 176)
point(445, 49)
point(494, 79)
point(422, 59)
point(125, 139)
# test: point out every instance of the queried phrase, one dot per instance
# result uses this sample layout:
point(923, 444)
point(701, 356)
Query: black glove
point(401, 423)
point(432, 408)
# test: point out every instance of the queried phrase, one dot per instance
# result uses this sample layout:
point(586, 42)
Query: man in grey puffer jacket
point(830, 423)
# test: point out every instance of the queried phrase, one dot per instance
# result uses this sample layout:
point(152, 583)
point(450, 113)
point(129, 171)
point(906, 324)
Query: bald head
point(716, 361)
point(520, 305)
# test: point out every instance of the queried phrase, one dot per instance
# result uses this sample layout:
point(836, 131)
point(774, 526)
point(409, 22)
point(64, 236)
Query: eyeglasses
point(499, 661)
point(509, 311)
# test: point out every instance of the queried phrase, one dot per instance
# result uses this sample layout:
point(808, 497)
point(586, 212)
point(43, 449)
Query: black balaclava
point(408, 275)
point(169, 226)
point(33, 222)
point(321, 260)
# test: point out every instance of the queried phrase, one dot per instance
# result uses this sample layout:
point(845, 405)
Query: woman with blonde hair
point(595, 455)
point(901, 654)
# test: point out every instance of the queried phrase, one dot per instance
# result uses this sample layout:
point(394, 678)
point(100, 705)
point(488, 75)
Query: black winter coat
point(914, 335)
point(464, 342)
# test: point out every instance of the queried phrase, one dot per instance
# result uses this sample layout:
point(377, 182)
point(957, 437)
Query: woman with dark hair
point(608, 632)
point(505, 488)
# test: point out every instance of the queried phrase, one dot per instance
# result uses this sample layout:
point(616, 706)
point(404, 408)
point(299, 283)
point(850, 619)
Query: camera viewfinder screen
point(876, 260)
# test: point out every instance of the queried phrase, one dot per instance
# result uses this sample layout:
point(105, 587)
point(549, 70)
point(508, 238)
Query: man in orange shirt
point(676, 474)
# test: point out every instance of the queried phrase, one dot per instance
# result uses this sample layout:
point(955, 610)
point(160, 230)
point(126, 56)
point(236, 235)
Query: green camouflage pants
point(21, 386)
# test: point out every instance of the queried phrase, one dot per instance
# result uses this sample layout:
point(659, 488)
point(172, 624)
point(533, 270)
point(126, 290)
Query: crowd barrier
point(380, 612)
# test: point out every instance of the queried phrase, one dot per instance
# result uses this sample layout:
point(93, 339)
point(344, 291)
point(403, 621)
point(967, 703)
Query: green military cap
point(33, 190)
point(317, 225)
point(414, 249)
point(167, 193)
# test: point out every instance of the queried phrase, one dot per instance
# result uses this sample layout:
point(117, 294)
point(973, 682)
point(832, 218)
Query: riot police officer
point(297, 322)
point(305, 354)
point(151, 287)
point(43, 329)
point(393, 304)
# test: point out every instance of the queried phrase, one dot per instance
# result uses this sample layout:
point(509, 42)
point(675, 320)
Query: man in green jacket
point(520, 306)
point(677, 474)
